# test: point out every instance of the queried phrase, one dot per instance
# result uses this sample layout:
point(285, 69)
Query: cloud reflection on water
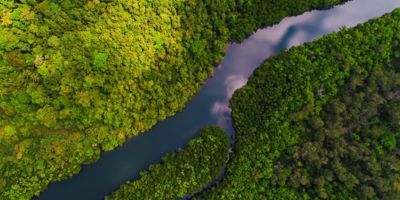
point(244, 58)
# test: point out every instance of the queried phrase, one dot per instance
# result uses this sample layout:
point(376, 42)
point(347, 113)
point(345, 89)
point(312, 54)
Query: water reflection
point(243, 58)
point(211, 105)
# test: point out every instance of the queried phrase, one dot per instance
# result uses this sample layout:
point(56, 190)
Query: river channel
point(211, 105)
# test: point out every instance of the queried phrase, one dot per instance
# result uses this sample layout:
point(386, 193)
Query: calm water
point(210, 106)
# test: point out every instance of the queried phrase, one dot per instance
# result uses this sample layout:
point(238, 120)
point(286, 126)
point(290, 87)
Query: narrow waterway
point(210, 106)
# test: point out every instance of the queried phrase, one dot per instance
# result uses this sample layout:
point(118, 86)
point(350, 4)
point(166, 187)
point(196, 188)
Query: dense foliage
point(321, 121)
point(350, 148)
point(78, 77)
point(181, 173)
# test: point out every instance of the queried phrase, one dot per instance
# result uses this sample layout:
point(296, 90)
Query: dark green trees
point(353, 151)
point(182, 173)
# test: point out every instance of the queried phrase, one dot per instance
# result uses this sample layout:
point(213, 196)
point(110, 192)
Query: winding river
point(210, 106)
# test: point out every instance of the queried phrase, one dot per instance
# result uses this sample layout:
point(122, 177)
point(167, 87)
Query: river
point(211, 105)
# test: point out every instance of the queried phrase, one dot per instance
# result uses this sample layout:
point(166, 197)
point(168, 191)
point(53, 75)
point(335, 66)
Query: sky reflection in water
point(244, 58)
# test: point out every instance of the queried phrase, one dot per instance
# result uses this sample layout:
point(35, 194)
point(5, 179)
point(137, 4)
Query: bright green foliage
point(78, 77)
point(182, 173)
point(321, 121)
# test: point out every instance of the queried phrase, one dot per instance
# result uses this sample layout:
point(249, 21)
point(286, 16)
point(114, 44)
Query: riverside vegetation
point(182, 173)
point(80, 77)
point(321, 121)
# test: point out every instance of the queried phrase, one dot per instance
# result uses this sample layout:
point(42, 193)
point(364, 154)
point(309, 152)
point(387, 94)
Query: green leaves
point(99, 60)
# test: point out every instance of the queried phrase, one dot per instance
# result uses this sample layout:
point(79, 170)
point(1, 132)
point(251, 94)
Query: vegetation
point(79, 77)
point(321, 121)
point(349, 149)
point(184, 172)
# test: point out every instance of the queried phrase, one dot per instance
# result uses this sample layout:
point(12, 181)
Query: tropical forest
point(117, 99)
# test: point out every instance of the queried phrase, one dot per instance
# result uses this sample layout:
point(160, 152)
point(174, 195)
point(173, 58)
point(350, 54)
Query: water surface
point(210, 106)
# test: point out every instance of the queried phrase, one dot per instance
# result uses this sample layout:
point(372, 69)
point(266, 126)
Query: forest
point(182, 173)
point(80, 77)
point(321, 121)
